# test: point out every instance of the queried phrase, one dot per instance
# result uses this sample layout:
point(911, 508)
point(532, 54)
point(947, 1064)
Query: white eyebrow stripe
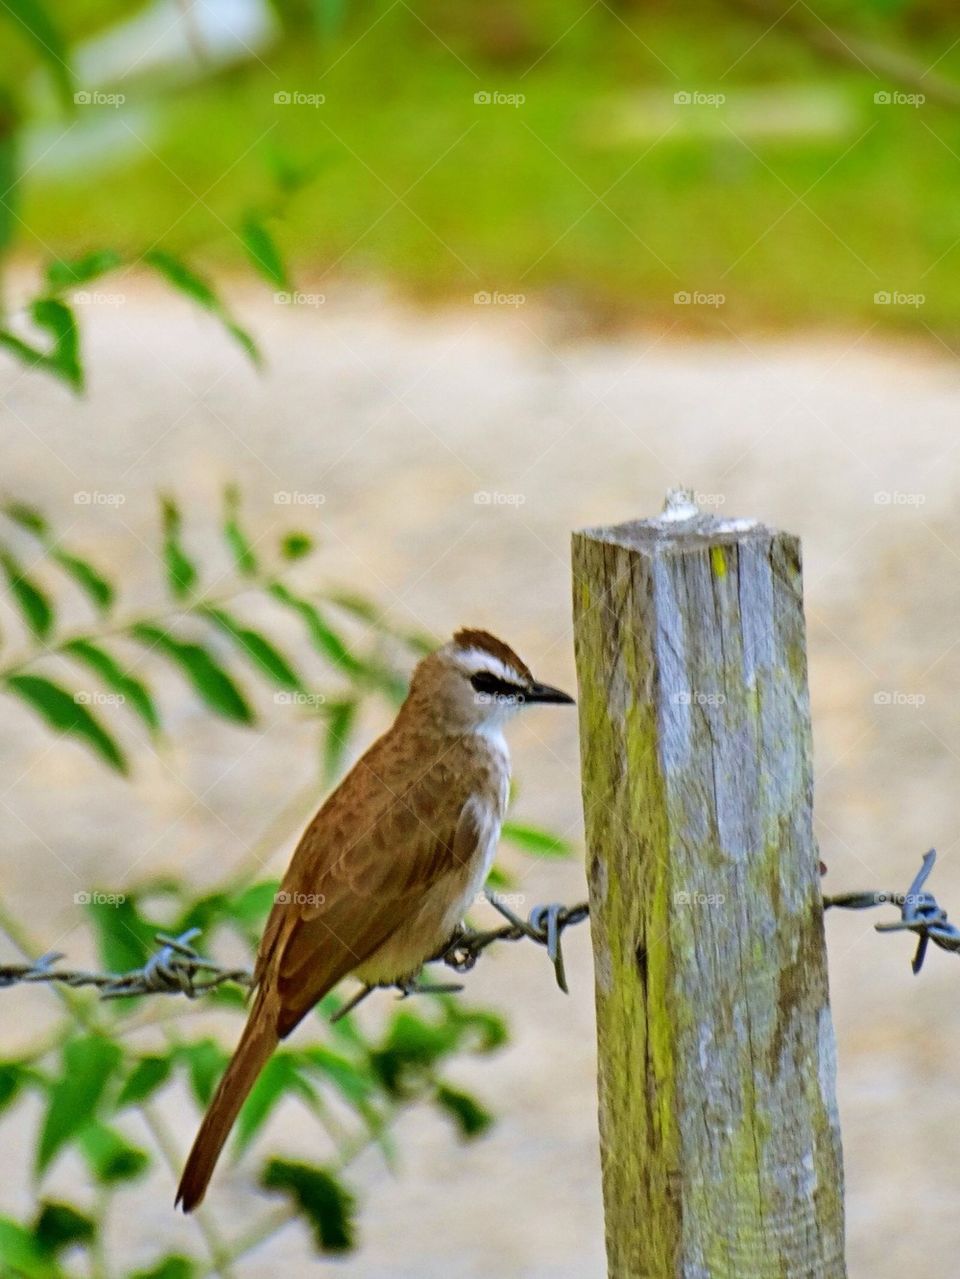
point(478, 659)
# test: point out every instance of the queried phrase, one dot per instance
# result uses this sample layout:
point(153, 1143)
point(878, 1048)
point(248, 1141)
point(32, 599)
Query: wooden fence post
point(718, 1118)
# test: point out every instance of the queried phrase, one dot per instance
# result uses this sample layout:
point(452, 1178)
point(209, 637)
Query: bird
point(384, 873)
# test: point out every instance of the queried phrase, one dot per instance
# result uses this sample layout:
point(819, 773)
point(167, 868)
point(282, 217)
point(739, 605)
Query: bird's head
point(476, 682)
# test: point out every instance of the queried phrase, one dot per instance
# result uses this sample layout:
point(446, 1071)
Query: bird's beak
point(544, 693)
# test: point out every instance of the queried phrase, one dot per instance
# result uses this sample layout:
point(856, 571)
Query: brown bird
point(385, 872)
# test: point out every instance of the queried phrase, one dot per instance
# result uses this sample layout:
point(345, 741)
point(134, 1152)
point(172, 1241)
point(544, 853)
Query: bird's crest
point(488, 643)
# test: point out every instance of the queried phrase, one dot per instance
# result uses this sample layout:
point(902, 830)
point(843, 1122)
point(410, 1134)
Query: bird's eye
point(492, 686)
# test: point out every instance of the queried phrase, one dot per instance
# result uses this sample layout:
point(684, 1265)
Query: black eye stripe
point(493, 685)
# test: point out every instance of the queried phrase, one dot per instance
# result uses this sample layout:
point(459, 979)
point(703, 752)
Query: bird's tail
point(257, 1042)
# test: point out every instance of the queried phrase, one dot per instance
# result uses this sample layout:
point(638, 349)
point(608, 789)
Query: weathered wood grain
point(718, 1120)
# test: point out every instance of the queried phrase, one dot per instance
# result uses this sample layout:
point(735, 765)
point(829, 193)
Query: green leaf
point(262, 251)
point(59, 1226)
point(32, 19)
point(92, 582)
point(62, 712)
point(258, 649)
point(111, 1157)
point(181, 277)
point(325, 1202)
point(33, 603)
point(324, 638)
point(294, 546)
point(533, 840)
point(237, 540)
point(468, 1114)
point(89, 1062)
point(340, 717)
point(149, 1074)
point(281, 1074)
point(12, 1079)
point(124, 939)
point(208, 678)
point(27, 517)
point(250, 908)
point(21, 1256)
point(172, 1267)
point(62, 359)
point(182, 573)
point(116, 679)
point(68, 274)
point(206, 1062)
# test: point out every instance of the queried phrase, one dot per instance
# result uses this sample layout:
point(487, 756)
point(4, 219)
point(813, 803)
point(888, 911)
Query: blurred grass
point(496, 197)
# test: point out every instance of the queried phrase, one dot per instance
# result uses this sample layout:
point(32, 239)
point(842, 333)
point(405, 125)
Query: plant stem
point(220, 1257)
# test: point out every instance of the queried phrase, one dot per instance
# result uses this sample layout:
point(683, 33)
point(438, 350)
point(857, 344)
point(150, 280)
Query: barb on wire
point(545, 925)
point(177, 968)
point(920, 912)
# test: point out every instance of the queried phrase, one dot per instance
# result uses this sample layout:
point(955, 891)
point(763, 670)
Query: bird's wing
point(329, 924)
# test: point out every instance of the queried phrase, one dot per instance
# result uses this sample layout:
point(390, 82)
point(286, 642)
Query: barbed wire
point(178, 968)
point(920, 912)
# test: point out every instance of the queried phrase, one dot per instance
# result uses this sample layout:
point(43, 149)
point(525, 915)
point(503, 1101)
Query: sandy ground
point(399, 420)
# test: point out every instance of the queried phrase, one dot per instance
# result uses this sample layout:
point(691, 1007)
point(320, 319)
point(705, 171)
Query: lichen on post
point(718, 1120)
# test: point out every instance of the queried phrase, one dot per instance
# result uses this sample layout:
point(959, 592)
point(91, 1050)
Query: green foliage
point(88, 1063)
point(93, 1079)
point(321, 1197)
